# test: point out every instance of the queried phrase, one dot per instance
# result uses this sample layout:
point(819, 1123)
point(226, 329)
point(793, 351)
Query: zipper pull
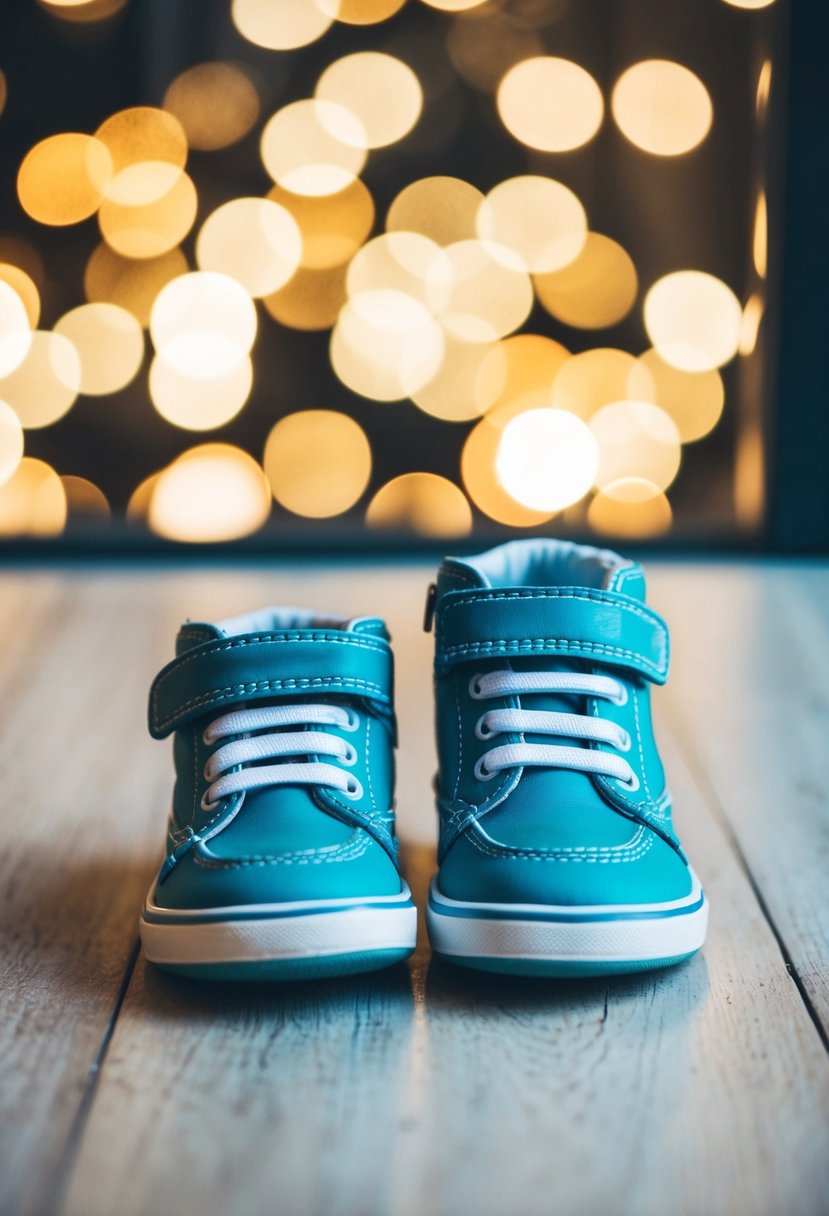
point(429, 611)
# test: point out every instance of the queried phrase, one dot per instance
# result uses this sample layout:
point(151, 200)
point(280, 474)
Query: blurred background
point(361, 273)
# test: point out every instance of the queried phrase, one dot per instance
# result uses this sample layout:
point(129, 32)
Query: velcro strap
point(584, 624)
point(261, 665)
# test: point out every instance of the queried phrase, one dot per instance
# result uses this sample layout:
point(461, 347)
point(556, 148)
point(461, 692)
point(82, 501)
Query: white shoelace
point(539, 722)
point(279, 743)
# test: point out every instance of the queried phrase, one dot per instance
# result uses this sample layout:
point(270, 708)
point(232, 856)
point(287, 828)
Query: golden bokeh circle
point(444, 209)
point(533, 223)
point(550, 104)
point(597, 289)
point(195, 403)
point(694, 400)
point(318, 462)
point(44, 386)
point(636, 439)
point(110, 343)
point(63, 178)
point(213, 492)
point(313, 147)
point(546, 459)
point(693, 319)
point(632, 507)
point(381, 91)
point(281, 25)
point(253, 240)
point(662, 107)
point(32, 501)
point(148, 230)
point(423, 503)
point(333, 226)
point(216, 103)
point(11, 442)
point(130, 283)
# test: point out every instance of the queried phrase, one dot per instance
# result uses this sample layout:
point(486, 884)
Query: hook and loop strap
point(602, 627)
point(267, 665)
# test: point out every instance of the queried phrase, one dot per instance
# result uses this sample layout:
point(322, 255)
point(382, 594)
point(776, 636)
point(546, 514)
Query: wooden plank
point(74, 860)
point(750, 697)
point(88, 792)
point(703, 1090)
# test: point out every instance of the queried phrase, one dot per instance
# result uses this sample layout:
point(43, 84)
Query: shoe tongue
point(196, 633)
point(543, 563)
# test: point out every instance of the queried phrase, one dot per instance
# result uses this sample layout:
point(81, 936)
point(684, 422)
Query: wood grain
point(704, 1090)
point(750, 700)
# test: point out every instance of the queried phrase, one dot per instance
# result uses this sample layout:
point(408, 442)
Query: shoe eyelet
point(354, 790)
point(207, 738)
point(480, 731)
point(482, 772)
point(632, 784)
point(475, 687)
point(350, 758)
point(206, 805)
point(208, 776)
point(353, 721)
point(626, 743)
point(622, 697)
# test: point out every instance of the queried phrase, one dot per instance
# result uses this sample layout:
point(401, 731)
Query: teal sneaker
point(556, 855)
point(281, 850)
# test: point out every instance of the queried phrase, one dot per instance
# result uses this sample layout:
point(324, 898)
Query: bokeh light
point(361, 12)
point(332, 226)
point(214, 492)
point(423, 503)
point(662, 107)
point(520, 371)
point(129, 283)
point(750, 323)
point(150, 229)
point(453, 6)
point(550, 104)
point(282, 25)
point(547, 459)
point(313, 147)
point(632, 507)
point(254, 241)
point(403, 262)
point(444, 209)
point(487, 297)
point(533, 223)
point(593, 378)
point(760, 236)
point(43, 387)
point(196, 403)
point(85, 502)
point(381, 91)
point(486, 42)
point(11, 441)
point(310, 300)
point(597, 289)
point(15, 329)
point(318, 462)
point(458, 390)
point(63, 178)
point(110, 343)
point(141, 141)
point(386, 345)
point(693, 319)
point(479, 474)
point(26, 289)
point(636, 439)
point(203, 324)
point(4, 91)
point(32, 501)
point(751, 4)
point(82, 12)
point(216, 103)
point(694, 400)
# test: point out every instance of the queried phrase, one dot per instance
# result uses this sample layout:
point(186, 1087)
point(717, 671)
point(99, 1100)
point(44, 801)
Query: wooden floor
point(422, 1090)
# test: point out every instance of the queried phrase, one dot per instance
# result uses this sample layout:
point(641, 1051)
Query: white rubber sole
point(264, 933)
point(542, 939)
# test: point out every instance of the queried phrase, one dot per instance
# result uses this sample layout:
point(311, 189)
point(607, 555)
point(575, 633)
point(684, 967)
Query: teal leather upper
point(278, 843)
point(548, 834)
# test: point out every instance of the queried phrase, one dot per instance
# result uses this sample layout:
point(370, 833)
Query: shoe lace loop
point(591, 729)
point(234, 767)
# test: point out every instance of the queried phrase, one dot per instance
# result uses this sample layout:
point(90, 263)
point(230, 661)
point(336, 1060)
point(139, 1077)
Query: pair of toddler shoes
point(556, 853)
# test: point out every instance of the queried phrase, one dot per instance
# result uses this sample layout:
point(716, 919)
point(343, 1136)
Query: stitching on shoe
point(531, 643)
point(374, 806)
point(634, 850)
point(349, 850)
point(460, 735)
point(352, 683)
